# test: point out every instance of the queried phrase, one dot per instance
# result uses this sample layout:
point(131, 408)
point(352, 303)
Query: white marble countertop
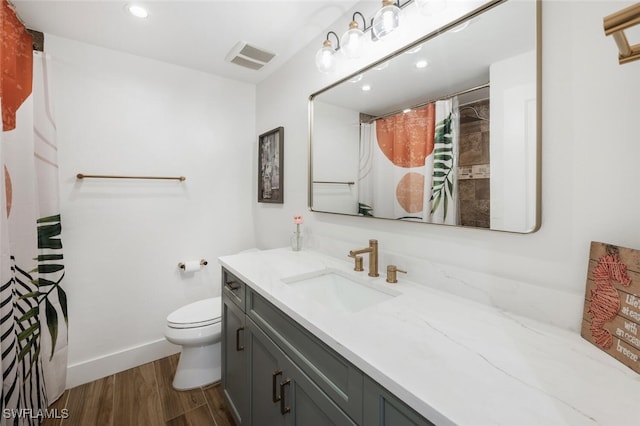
point(453, 360)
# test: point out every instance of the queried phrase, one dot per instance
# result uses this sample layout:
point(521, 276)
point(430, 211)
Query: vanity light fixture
point(353, 38)
point(137, 11)
point(387, 19)
point(326, 56)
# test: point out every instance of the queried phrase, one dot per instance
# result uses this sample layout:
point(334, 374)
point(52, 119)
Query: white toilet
point(197, 328)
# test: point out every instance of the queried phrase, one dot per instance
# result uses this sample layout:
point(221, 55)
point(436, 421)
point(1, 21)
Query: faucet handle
point(358, 263)
point(391, 273)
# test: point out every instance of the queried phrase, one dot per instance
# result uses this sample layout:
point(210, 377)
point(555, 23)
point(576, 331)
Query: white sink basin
point(338, 291)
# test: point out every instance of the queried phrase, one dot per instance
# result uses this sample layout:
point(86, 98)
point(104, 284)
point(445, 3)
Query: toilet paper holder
point(203, 262)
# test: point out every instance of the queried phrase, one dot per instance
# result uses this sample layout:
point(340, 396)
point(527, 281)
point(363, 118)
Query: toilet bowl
point(197, 328)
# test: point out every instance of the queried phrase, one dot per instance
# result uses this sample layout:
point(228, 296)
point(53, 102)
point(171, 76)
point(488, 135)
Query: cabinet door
point(266, 373)
point(308, 404)
point(381, 408)
point(337, 378)
point(234, 364)
point(281, 393)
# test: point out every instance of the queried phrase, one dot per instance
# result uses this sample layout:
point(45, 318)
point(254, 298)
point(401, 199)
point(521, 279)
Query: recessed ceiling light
point(366, 88)
point(422, 63)
point(137, 11)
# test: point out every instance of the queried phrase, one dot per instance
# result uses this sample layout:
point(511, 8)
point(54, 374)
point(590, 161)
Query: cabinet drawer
point(233, 288)
point(338, 378)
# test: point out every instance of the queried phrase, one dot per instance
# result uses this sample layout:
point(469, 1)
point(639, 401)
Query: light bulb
point(325, 58)
point(351, 41)
point(386, 19)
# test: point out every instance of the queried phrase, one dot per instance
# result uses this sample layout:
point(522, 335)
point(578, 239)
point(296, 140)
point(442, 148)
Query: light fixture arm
point(397, 3)
point(366, 27)
point(364, 21)
point(327, 42)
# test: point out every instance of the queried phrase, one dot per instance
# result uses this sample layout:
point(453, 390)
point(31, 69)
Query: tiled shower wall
point(474, 165)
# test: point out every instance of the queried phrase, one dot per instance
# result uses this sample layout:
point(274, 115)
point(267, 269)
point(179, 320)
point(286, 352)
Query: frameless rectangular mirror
point(443, 131)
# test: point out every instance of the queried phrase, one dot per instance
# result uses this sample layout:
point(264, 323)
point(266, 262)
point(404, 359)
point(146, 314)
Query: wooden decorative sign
point(611, 318)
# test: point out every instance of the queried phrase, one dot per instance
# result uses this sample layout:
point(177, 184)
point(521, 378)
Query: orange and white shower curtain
point(33, 304)
point(408, 165)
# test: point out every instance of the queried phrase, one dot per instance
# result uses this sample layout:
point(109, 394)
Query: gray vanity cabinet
point(275, 372)
point(281, 393)
point(234, 360)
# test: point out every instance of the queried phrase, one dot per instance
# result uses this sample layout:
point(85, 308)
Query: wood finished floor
point(142, 396)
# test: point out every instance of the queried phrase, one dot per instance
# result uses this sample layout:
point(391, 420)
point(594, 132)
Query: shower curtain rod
point(462, 92)
point(83, 176)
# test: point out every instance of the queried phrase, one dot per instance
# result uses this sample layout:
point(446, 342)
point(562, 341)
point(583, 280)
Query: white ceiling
point(193, 34)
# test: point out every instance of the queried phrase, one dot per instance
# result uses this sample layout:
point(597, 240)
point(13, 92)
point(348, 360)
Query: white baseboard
point(97, 368)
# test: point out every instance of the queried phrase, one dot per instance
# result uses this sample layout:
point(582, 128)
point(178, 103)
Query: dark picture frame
point(271, 166)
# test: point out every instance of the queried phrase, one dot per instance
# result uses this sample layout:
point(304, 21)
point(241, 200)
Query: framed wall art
point(271, 166)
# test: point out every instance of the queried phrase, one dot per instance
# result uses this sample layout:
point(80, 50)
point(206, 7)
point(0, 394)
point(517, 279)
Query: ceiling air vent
point(248, 56)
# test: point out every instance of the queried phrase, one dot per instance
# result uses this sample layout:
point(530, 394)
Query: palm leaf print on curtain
point(408, 165)
point(441, 166)
point(33, 304)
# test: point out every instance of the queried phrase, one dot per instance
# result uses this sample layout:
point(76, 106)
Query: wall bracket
point(615, 25)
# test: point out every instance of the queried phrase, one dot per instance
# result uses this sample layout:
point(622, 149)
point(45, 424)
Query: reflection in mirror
point(445, 131)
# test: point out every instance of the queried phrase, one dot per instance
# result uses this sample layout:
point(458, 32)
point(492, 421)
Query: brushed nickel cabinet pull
point(274, 386)
point(239, 347)
point(283, 406)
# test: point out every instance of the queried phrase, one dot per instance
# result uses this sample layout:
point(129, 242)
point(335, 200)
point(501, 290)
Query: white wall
point(337, 148)
point(126, 115)
point(590, 152)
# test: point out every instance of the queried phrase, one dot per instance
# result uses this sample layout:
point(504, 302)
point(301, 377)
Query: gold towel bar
point(615, 24)
point(83, 176)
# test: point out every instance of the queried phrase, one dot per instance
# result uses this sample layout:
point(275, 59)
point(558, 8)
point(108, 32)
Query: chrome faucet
point(373, 256)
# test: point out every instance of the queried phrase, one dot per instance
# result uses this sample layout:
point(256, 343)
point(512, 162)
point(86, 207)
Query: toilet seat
point(197, 314)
